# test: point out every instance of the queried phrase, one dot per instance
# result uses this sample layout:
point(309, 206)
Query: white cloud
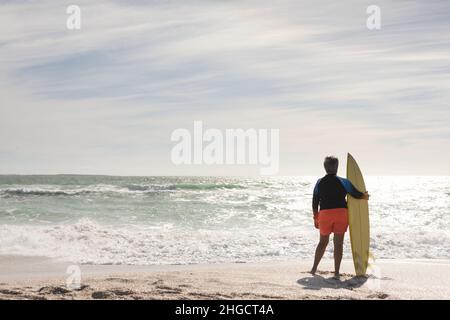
point(105, 99)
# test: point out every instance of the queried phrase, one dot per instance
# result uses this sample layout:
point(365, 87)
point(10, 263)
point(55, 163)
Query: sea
point(186, 220)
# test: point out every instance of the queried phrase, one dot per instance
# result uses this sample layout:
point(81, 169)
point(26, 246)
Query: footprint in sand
point(53, 290)
point(101, 295)
point(119, 292)
point(168, 290)
point(9, 292)
point(380, 295)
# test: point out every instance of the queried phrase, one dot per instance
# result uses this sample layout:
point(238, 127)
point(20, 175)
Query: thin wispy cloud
point(105, 98)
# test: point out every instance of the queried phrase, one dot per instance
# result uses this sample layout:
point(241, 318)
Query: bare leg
point(338, 240)
point(320, 250)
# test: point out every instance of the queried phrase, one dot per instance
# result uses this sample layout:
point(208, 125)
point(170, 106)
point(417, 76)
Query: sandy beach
point(43, 278)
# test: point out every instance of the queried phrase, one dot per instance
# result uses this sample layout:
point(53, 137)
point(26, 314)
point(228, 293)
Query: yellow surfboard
point(358, 216)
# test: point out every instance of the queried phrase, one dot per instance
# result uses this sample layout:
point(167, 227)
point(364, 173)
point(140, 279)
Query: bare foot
point(313, 272)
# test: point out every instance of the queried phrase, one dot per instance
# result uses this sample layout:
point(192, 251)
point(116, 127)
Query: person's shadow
point(317, 282)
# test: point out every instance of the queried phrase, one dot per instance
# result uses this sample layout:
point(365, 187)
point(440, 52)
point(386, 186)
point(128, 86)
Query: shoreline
point(44, 278)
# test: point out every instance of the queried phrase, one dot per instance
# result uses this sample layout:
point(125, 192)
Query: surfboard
point(358, 219)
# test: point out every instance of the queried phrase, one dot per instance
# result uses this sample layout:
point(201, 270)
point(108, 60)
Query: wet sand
point(44, 278)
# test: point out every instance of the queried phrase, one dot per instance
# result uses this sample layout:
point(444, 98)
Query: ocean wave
point(111, 189)
point(125, 220)
point(50, 193)
point(184, 186)
point(55, 192)
point(192, 186)
point(137, 187)
point(91, 242)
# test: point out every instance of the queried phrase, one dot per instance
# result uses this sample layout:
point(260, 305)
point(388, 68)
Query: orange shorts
point(333, 220)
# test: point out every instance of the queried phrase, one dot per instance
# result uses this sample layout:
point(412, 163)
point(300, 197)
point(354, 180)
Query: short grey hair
point(331, 164)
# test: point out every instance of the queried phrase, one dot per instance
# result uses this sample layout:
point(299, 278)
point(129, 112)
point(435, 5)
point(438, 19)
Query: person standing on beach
point(330, 195)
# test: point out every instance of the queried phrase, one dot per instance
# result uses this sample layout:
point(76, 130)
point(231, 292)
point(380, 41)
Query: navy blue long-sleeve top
point(330, 193)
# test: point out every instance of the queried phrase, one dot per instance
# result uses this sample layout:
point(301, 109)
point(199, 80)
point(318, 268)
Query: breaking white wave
point(89, 242)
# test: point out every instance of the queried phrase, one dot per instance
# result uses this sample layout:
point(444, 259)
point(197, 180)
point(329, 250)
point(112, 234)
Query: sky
point(105, 99)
